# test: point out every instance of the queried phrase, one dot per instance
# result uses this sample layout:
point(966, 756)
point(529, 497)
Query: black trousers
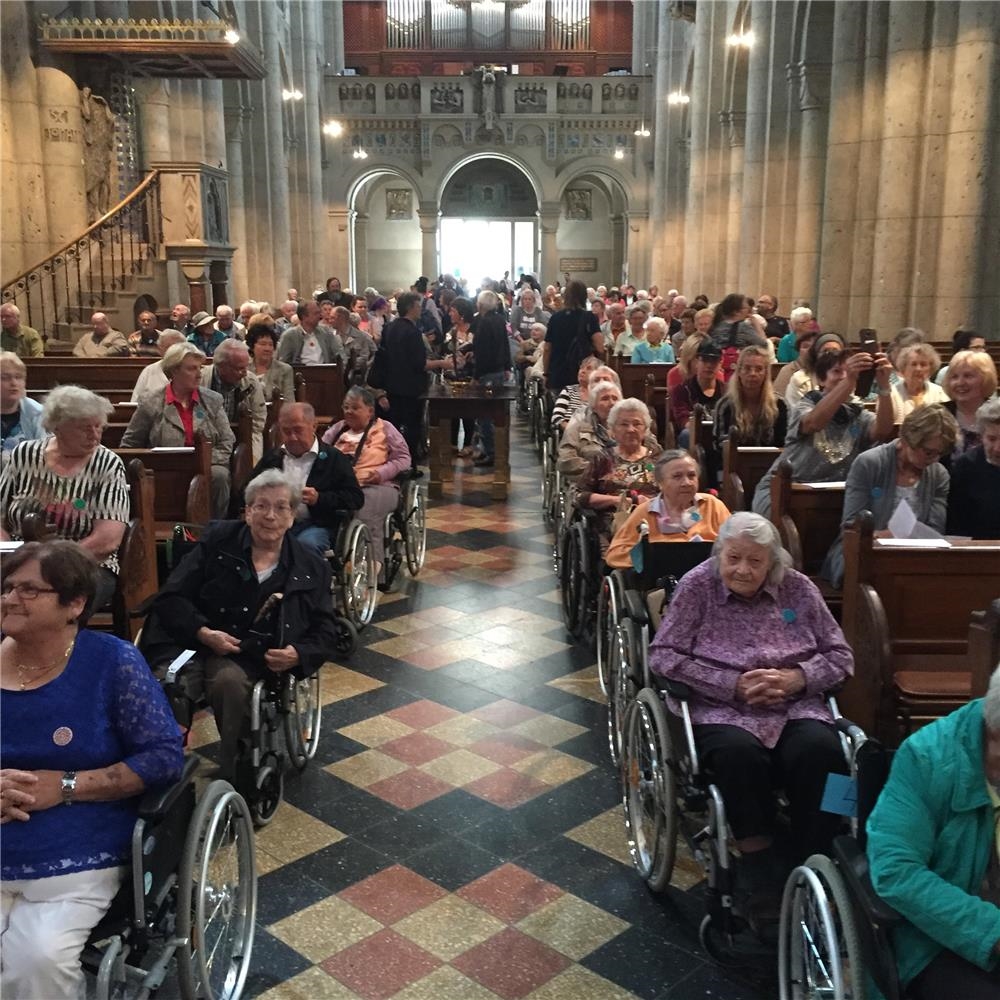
point(406, 414)
point(948, 975)
point(747, 773)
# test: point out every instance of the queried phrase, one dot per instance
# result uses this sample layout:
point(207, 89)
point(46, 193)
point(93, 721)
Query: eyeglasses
point(13, 377)
point(279, 510)
point(26, 591)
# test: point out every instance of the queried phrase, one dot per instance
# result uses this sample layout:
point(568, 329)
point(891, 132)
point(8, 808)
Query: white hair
point(270, 479)
point(991, 703)
point(645, 307)
point(597, 388)
point(642, 294)
point(252, 306)
point(988, 415)
point(228, 348)
point(223, 311)
point(745, 524)
point(487, 302)
point(625, 406)
point(799, 312)
point(73, 402)
point(11, 308)
point(656, 322)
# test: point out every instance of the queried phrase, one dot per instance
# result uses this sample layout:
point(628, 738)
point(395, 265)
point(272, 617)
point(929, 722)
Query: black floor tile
point(457, 811)
point(354, 812)
point(506, 836)
point(401, 835)
point(341, 864)
point(286, 891)
point(712, 983)
point(452, 862)
point(316, 792)
point(591, 746)
point(364, 706)
point(273, 963)
point(334, 746)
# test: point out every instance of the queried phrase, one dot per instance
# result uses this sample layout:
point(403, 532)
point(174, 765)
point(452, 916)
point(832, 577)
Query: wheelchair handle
point(678, 690)
point(851, 730)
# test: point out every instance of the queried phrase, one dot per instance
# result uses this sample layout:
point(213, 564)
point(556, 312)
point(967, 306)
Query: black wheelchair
point(354, 583)
point(580, 567)
point(630, 606)
point(835, 932)
point(405, 532)
point(189, 898)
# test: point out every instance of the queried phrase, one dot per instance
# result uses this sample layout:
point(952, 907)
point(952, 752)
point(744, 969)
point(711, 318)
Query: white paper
point(914, 543)
point(824, 486)
point(757, 449)
point(10, 546)
point(903, 521)
point(175, 667)
point(171, 449)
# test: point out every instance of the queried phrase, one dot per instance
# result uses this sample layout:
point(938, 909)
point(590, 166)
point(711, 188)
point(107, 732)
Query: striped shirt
point(70, 504)
point(568, 403)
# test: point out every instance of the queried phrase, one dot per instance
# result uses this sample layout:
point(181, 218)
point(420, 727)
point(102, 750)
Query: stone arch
point(603, 237)
point(529, 135)
point(448, 137)
point(513, 161)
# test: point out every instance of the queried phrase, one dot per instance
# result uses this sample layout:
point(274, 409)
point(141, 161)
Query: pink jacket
point(399, 454)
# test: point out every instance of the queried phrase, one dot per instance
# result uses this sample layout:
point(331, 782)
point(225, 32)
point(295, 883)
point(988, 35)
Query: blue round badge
point(695, 516)
point(789, 615)
point(876, 492)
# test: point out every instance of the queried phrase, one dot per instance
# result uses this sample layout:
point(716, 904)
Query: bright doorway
point(474, 249)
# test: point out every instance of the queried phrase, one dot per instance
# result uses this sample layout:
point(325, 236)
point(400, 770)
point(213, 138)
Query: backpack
point(730, 353)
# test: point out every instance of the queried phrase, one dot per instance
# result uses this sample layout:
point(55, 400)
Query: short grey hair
point(10, 359)
point(271, 479)
point(363, 395)
point(11, 308)
point(668, 456)
point(170, 337)
point(629, 405)
point(175, 355)
point(223, 311)
point(607, 374)
point(988, 415)
point(745, 524)
point(800, 312)
point(656, 323)
point(228, 348)
point(596, 388)
point(487, 302)
point(249, 304)
point(924, 351)
point(645, 307)
point(73, 402)
point(991, 703)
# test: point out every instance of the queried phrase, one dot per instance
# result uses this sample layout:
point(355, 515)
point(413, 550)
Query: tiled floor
point(459, 835)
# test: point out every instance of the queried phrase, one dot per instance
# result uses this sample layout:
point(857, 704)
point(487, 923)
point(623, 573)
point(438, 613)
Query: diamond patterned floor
point(459, 835)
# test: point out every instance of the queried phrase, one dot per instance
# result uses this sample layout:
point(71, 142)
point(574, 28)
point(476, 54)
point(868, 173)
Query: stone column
point(213, 121)
point(842, 167)
point(338, 239)
point(548, 221)
point(898, 171)
point(661, 146)
point(811, 82)
point(333, 29)
point(968, 284)
point(311, 149)
point(235, 119)
point(734, 126)
point(636, 248)
point(152, 99)
point(359, 270)
point(427, 213)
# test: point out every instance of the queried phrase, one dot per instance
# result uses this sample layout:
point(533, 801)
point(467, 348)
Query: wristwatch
point(883, 392)
point(68, 787)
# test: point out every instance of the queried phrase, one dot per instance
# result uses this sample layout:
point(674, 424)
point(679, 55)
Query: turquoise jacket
point(929, 842)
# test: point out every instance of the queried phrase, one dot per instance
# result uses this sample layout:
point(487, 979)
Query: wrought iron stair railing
point(79, 276)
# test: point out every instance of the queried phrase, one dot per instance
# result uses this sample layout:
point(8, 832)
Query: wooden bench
point(907, 613)
point(183, 479)
point(322, 386)
point(701, 445)
point(742, 469)
point(97, 374)
point(116, 397)
point(807, 516)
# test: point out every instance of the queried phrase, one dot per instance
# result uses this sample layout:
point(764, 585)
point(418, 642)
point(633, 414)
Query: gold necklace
point(30, 675)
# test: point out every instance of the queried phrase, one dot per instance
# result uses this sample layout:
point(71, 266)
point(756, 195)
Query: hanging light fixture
point(740, 39)
point(292, 95)
point(678, 97)
point(359, 154)
point(619, 153)
point(333, 128)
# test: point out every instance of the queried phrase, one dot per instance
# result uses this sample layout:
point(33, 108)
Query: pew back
point(742, 469)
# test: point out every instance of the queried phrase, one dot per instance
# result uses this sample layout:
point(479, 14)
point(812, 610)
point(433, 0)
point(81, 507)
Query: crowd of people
point(894, 425)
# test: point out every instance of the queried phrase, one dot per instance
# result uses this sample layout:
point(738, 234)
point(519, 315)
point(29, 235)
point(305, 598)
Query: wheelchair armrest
point(677, 689)
point(635, 607)
point(851, 730)
point(853, 863)
point(157, 802)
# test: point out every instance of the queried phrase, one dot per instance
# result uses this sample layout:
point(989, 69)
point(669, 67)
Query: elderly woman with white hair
point(71, 480)
point(20, 415)
point(917, 366)
point(655, 349)
point(756, 644)
point(800, 321)
point(933, 853)
point(622, 470)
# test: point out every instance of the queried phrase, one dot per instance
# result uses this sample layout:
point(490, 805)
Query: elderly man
point(324, 476)
point(241, 391)
point(247, 310)
point(775, 326)
point(933, 852)
point(144, 342)
point(225, 323)
point(289, 310)
point(205, 337)
point(615, 326)
point(24, 341)
point(102, 341)
point(353, 339)
point(309, 343)
point(151, 378)
point(637, 315)
point(180, 319)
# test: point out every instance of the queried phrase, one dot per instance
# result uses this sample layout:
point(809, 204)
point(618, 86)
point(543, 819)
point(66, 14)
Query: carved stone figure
point(98, 149)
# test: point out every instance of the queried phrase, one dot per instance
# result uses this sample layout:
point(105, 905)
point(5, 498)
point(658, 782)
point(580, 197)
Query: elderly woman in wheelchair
point(746, 650)
point(86, 729)
point(251, 603)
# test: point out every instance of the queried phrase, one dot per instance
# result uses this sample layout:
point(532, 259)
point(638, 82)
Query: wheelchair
point(354, 584)
point(405, 532)
point(541, 413)
point(834, 937)
point(189, 897)
point(278, 702)
point(580, 569)
point(629, 608)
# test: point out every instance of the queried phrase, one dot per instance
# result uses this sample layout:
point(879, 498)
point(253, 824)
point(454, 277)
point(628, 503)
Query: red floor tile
point(511, 964)
point(422, 714)
point(393, 894)
point(505, 788)
point(416, 748)
point(381, 965)
point(505, 748)
point(510, 893)
point(410, 789)
point(504, 713)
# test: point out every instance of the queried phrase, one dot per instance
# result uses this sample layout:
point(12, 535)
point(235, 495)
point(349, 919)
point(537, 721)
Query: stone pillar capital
point(734, 122)
point(193, 270)
point(804, 77)
point(236, 117)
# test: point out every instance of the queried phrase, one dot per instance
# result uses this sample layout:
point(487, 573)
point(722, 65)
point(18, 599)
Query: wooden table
point(471, 402)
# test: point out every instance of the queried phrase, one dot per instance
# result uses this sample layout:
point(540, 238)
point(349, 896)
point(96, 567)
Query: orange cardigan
point(713, 512)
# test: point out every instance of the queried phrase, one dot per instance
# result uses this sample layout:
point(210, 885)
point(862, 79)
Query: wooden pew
point(241, 461)
point(111, 436)
point(97, 374)
point(634, 377)
point(907, 613)
point(807, 517)
point(658, 403)
point(701, 445)
point(183, 479)
point(117, 397)
point(742, 469)
point(322, 386)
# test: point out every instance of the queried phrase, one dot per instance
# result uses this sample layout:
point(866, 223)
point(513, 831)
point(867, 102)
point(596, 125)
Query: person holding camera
point(248, 599)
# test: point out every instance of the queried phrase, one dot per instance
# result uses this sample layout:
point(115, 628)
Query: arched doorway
point(488, 222)
point(593, 237)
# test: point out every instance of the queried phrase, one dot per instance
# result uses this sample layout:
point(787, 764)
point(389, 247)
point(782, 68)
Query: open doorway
point(473, 249)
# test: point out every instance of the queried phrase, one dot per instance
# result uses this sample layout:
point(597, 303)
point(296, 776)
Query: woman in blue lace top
point(85, 730)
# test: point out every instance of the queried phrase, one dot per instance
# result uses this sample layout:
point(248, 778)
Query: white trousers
point(44, 924)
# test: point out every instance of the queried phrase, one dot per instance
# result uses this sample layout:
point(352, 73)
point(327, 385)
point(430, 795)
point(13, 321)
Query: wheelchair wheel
point(217, 897)
point(347, 638)
point(415, 531)
point(649, 792)
point(548, 481)
point(302, 720)
point(609, 609)
point(622, 685)
point(571, 579)
point(269, 789)
point(819, 950)
point(359, 586)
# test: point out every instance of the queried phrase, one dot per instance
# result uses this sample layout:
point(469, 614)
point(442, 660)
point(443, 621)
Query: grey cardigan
point(871, 485)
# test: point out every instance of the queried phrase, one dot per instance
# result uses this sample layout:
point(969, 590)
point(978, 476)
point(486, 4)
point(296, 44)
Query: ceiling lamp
point(232, 36)
point(619, 154)
point(333, 128)
point(291, 95)
point(359, 154)
point(678, 97)
point(740, 39)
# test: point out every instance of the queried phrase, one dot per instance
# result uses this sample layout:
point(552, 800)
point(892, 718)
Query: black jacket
point(331, 475)
point(490, 347)
point(215, 586)
point(404, 344)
